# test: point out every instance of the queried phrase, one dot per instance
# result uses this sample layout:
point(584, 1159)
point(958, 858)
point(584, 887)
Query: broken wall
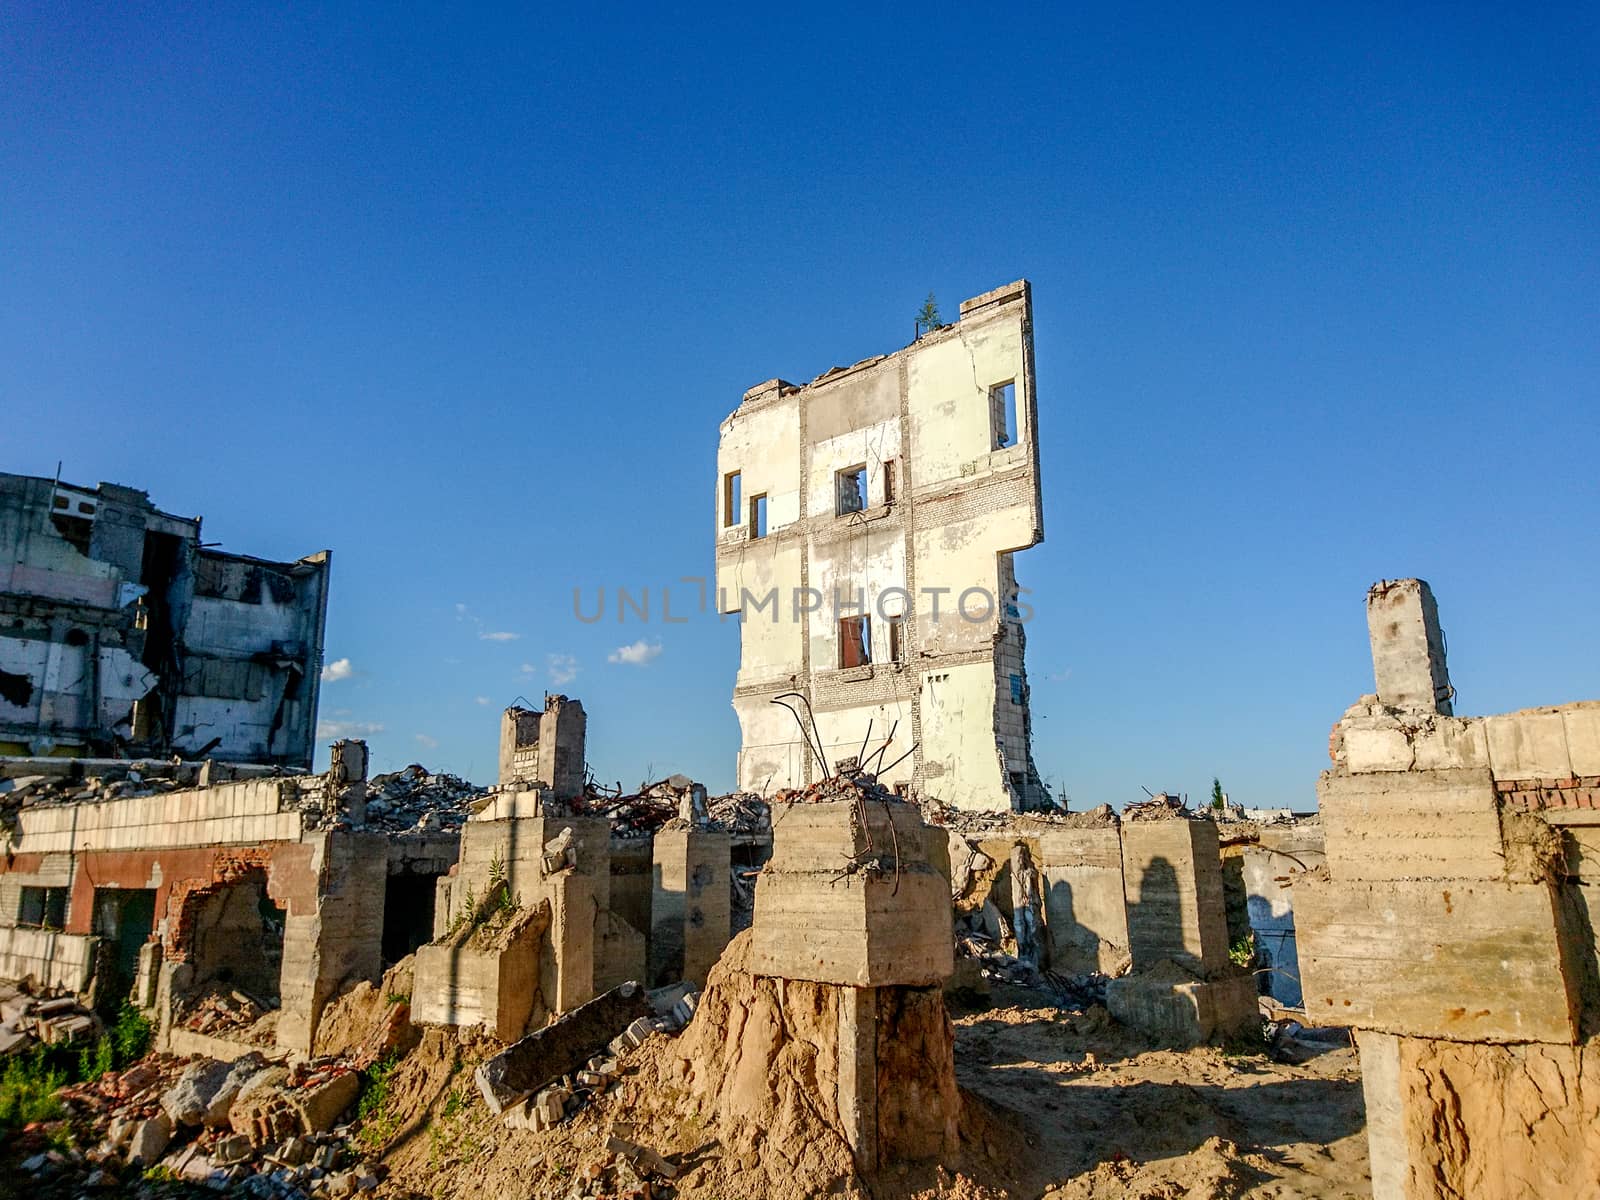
point(1452, 928)
point(888, 486)
point(120, 634)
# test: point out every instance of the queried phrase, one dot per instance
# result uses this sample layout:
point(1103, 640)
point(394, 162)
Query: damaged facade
point(121, 635)
point(866, 524)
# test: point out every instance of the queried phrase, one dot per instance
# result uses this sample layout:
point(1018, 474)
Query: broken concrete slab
point(560, 1048)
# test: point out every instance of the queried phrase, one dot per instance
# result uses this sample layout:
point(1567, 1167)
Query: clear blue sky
point(464, 298)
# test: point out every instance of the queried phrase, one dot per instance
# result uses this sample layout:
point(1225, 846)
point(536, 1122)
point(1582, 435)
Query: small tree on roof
point(1218, 800)
point(928, 316)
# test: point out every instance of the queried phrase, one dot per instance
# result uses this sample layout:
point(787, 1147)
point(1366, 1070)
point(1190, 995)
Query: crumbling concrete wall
point(888, 490)
point(691, 908)
point(1086, 916)
point(517, 860)
point(1184, 987)
point(1453, 927)
point(124, 635)
point(1269, 859)
point(545, 749)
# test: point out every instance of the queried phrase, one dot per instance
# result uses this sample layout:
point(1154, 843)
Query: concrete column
point(1386, 1137)
point(691, 912)
point(1085, 912)
point(341, 942)
point(1172, 879)
point(1408, 661)
point(563, 732)
point(858, 1072)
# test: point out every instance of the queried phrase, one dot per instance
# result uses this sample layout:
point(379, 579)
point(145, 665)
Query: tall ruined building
point(121, 634)
point(866, 524)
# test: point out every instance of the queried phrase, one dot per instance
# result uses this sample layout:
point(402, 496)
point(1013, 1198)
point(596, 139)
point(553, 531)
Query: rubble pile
point(1163, 806)
point(640, 814)
point(542, 1081)
point(740, 813)
point(223, 1011)
point(27, 1019)
point(414, 798)
point(660, 805)
point(249, 1127)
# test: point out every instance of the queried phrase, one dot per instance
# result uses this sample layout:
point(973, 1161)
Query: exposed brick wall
point(229, 867)
point(1536, 795)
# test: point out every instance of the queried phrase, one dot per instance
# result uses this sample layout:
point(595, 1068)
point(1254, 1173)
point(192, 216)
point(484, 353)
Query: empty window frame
point(43, 907)
point(1003, 414)
point(758, 516)
point(897, 639)
point(855, 641)
point(730, 499)
point(1018, 693)
point(889, 469)
point(850, 485)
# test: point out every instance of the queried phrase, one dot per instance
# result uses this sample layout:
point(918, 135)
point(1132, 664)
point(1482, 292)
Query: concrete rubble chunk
point(560, 1048)
point(189, 1100)
point(321, 1104)
point(149, 1139)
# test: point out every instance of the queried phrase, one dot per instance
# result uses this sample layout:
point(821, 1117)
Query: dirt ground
point(1108, 1117)
point(1061, 1106)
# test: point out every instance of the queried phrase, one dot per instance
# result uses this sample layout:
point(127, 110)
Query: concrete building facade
point(121, 635)
point(865, 528)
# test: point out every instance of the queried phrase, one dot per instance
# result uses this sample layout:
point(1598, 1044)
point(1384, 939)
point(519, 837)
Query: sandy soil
point(1106, 1116)
point(1060, 1106)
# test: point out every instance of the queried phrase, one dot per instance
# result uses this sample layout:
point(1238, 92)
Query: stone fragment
point(559, 1048)
point(148, 1140)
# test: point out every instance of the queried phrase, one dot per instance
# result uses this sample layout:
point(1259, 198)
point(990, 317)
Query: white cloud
point(638, 654)
point(425, 741)
point(563, 668)
point(498, 635)
point(333, 730)
point(338, 669)
point(528, 669)
point(483, 700)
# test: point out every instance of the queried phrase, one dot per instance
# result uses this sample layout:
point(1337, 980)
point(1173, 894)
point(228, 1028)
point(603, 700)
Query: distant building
point(121, 636)
point(865, 528)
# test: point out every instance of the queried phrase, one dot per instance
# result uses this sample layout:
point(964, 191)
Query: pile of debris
point(555, 1072)
point(665, 803)
point(249, 1127)
point(1163, 806)
point(224, 1011)
point(740, 813)
point(26, 1019)
point(415, 799)
point(641, 814)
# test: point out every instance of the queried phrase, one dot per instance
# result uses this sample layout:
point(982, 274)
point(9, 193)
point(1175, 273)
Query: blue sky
point(464, 298)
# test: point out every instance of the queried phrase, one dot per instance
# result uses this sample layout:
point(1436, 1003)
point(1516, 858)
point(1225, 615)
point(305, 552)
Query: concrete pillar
point(563, 733)
point(1408, 660)
point(691, 911)
point(1172, 879)
point(1386, 1136)
point(338, 944)
point(858, 1072)
point(881, 939)
point(1086, 914)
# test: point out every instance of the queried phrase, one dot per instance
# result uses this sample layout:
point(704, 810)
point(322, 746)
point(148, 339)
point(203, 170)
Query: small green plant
point(928, 316)
point(131, 1035)
point(1219, 800)
point(28, 1089)
point(98, 1059)
point(372, 1109)
point(1243, 952)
